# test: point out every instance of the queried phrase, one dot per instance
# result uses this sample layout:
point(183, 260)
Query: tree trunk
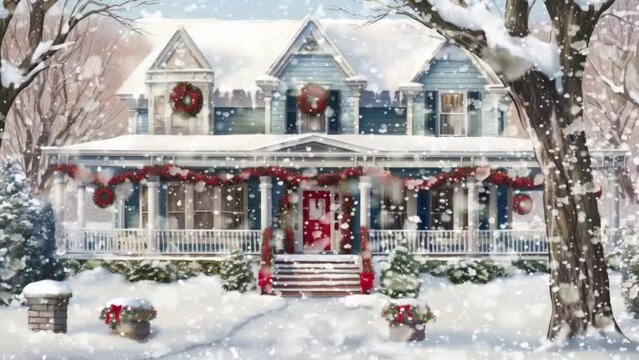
point(579, 284)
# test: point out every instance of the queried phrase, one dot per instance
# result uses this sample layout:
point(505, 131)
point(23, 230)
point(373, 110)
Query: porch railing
point(144, 241)
point(457, 242)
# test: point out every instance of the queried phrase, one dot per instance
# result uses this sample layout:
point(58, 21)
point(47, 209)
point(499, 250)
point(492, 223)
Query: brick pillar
point(47, 309)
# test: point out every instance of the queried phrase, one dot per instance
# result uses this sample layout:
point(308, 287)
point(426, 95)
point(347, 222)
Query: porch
point(145, 243)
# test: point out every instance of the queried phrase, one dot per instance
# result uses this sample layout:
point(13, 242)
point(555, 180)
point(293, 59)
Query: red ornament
point(522, 204)
point(401, 309)
point(103, 197)
point(313, 99)
point(366, 280)
point(116, 310)
point(186, 98)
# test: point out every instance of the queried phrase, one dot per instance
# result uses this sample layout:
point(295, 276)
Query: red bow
point(400, 313)
point(115, 310)
point(366, 282)
point(263, 279)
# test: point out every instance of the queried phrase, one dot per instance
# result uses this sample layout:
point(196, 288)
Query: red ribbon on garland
point(401, 309)
point(115, 310)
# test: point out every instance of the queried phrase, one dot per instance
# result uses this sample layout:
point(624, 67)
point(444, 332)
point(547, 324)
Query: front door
point(316, 220)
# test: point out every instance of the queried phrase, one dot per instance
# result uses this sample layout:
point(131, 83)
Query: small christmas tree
point(400, 278)
point(27, 232)
point(236, 272)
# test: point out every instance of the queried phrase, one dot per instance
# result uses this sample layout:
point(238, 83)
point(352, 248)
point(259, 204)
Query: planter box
point(412, 332)
point(137, 330)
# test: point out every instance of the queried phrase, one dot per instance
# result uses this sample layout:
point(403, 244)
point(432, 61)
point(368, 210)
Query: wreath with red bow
point(103, 197)
point(186, 98)
point(313, 99)
point(522, 204)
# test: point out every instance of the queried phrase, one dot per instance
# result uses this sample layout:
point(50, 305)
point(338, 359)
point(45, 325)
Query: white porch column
point(58, 208)
point(82, 200)
point(492, 207)
point(120, 222)
point(266, 187)
point(410, 90)
point(458, 206)
point(356, 84)
point(365, 185)
point(267, 113)
point(473, 213)
point(612, 199)
point(153, 202)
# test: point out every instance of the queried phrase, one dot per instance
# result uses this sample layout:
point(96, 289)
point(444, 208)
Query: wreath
point(313, 99)
point(186, 98)
point(522, 204)
point(103, 197)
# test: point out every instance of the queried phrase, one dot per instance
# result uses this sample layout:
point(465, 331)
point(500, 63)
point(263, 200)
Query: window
point(313, 123)
point(452, 117)
point(158, 126)
point(394, 212)
point(442, 208)
point(232, 212)
point(175, 207)
point(326, 122)
point(180, 124)
point(203, 208)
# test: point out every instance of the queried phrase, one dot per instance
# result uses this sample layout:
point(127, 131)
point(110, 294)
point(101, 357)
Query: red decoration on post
point(345, 245)
point(103, 197)
point(186, 98)
point(115, 310)
point(264, 281)
point(367, 276)
point(522, 204)
point(313, 99)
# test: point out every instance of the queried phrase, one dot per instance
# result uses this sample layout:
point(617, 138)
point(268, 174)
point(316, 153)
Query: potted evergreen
point(236, 272)
point(401, 282)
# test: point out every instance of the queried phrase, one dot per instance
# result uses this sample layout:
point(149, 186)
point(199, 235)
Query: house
point(314, 129)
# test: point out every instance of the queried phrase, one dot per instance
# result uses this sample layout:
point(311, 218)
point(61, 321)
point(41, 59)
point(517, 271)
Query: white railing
point(144, 241)
point(457, 242)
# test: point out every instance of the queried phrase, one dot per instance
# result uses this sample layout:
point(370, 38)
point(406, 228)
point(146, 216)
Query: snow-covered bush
point(400, 276)
point(27, 242)
point(435, 267)
point(236, 272)
point(532, 266)
point(474, 271)
point(150, 270)
point(415, 314)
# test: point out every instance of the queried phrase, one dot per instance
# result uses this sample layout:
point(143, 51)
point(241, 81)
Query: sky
point(273, 9)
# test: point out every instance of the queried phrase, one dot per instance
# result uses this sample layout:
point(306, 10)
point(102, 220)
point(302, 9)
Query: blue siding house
point(314, 129)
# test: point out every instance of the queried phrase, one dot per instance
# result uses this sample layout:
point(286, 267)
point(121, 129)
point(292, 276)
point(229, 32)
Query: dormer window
point(452, 117)
point(326, 122)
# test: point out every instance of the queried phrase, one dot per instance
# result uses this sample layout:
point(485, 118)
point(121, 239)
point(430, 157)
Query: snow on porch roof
point(388, 52)
point(258, 144)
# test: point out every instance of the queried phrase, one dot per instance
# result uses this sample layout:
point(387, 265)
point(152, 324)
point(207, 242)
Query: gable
point(180, 52)
point(314, 143)
point(455, 68)
point(310, 40)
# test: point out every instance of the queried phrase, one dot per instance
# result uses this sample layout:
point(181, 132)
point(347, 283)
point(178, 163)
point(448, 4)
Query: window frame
point(433, 206)
point(385, 212)
point(440, 112)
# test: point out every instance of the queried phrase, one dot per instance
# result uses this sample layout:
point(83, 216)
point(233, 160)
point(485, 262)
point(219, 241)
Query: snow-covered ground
point(505, 319)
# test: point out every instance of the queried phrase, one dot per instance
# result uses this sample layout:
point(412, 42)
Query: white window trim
point(383, 212)
point(440, 112)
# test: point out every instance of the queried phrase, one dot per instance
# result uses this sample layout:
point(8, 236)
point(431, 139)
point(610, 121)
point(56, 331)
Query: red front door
point(316, 220)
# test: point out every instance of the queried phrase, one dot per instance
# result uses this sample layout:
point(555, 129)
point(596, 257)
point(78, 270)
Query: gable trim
point(171, 45)
point(284, 58)
point(314, 139)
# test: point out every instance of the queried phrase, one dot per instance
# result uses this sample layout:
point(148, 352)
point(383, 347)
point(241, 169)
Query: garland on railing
point(346, 226)
point(292, 179)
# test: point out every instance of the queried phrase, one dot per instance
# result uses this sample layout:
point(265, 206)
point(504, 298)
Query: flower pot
point(407, 332)
point(137, 330)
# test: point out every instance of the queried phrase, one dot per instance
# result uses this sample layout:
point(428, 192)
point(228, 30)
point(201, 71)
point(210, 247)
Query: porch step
point(316, 275)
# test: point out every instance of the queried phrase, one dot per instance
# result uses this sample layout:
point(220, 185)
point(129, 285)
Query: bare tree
point(545, 81)
point(18, 69)
point(611, 90)
point(71, 100)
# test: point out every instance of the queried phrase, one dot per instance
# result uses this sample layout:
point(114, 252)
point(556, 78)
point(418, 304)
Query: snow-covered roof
point(260, 143)
point(47, 288)
point(388, 53)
